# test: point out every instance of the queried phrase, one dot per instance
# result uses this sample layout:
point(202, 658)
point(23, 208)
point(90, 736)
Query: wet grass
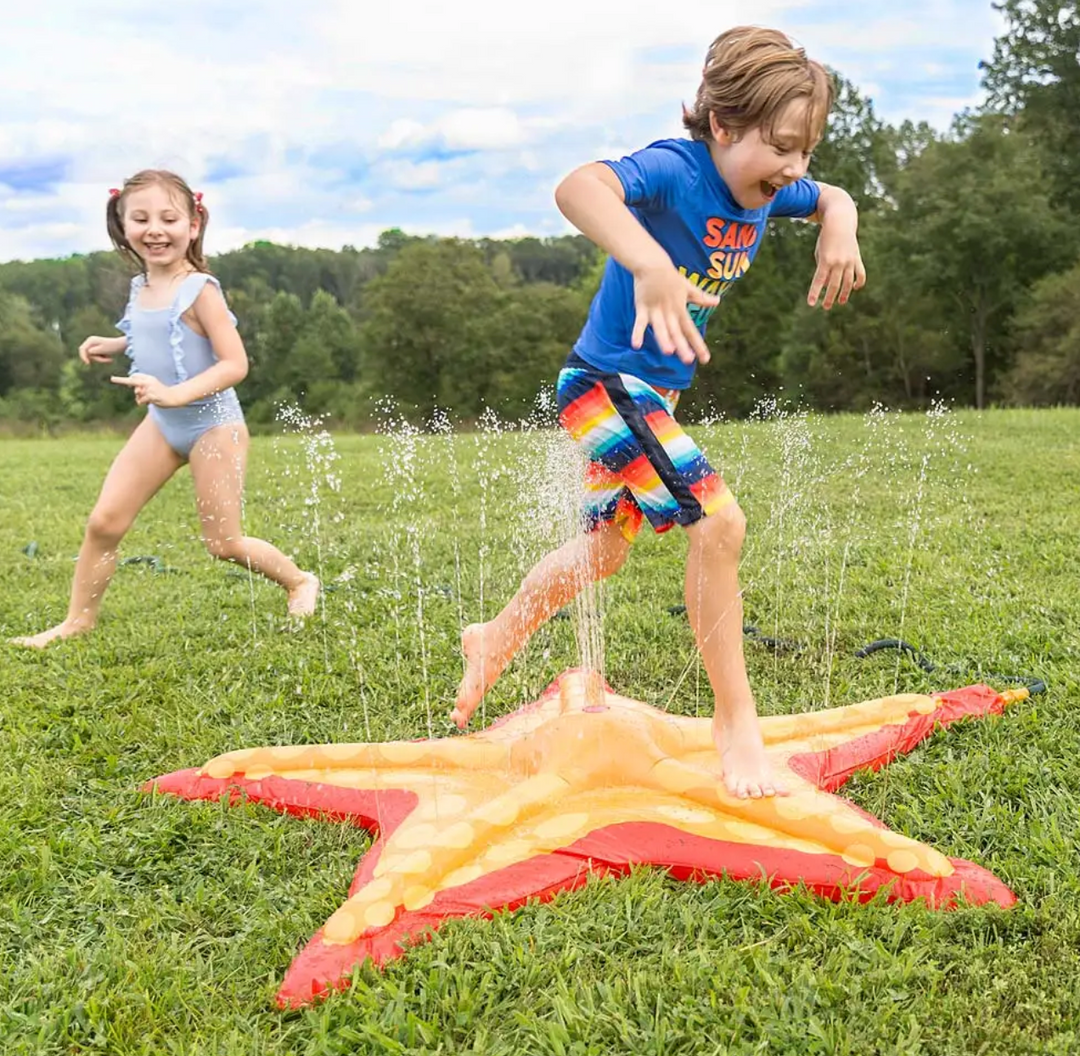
point(130, 924)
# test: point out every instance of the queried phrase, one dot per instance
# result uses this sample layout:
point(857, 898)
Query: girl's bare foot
point(747, 770)
point(67, 629)
point(302, 598)
point(484, 662)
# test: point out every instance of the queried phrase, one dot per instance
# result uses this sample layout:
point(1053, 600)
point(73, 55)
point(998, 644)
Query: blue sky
point(324, 122)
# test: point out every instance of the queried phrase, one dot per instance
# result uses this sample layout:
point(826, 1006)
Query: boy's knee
point(723, 530)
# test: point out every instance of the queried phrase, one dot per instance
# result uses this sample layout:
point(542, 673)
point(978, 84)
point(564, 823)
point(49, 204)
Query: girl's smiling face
point(157, 226)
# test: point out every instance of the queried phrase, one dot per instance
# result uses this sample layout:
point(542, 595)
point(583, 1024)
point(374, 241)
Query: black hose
point(784, 645)
point(1034, 685)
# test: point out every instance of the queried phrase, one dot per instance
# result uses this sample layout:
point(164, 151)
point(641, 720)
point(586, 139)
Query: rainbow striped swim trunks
point(640, 460)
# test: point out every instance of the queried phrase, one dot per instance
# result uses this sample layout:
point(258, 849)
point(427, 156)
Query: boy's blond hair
point(750, 76)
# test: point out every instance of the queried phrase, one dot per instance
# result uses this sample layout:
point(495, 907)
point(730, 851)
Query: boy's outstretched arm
point(593, 200)
point(839, 262)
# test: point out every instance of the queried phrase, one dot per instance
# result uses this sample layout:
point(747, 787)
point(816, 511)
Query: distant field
point(131, 924)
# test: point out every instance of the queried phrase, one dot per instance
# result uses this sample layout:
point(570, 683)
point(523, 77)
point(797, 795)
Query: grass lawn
point(136, 924)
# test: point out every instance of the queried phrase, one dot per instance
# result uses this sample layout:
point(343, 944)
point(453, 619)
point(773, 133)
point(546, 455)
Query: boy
point(681, 221)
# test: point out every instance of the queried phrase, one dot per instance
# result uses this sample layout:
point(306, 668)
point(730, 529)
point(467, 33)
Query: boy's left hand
point(147, 389)
point(839, 266)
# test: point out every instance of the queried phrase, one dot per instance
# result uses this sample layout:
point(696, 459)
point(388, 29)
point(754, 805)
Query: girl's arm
point(211, 318)
point(101, 349)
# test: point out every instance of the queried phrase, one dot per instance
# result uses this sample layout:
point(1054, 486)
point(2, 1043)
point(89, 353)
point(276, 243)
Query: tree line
point(971, 240)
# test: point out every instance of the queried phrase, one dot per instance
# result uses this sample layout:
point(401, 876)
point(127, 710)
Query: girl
point(186, 356)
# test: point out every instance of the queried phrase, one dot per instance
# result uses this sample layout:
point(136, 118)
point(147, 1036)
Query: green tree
point(528, 338)
point(282, 325)
point(975, 226)
point(423, 334)
point(1046, 333)
point(85, 391)
point(857, 151)
point(332, 328)
point(1034, 75)
point(560, 261)
point(889, 344)
point(324, 358)
point(31, 357)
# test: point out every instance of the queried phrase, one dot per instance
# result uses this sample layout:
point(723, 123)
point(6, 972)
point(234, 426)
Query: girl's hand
point(661, 295)
point(101, 349)
point(148, 390)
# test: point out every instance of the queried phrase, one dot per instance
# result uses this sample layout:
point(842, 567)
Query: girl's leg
point(554, 581)
point(218, 463)
point(714, 605)
point(144, 464)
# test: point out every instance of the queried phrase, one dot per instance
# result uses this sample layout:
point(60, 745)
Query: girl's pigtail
point(195, 255)
point(114, 223)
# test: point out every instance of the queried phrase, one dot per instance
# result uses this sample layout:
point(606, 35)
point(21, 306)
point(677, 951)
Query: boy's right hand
point(100, 349)
point(661, 294)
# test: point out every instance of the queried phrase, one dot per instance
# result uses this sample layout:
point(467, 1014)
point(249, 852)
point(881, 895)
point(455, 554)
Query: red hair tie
point(198, 201)
point(114, 192)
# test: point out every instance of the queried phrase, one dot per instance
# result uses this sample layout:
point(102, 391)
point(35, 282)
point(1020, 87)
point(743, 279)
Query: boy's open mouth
point(768, 189)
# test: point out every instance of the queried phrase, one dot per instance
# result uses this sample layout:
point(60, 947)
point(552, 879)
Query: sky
point(325, 122)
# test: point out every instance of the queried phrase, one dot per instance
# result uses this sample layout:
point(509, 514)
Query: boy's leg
point(553, 582)
point(218, 463)
point(714, 605)
point(671, 482)
point(143, 465)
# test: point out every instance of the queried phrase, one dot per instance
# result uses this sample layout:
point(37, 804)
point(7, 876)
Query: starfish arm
point(322, 966)
point(417, 861)
point(456, 753)
point(687, 856)
point(836, 725)
point(808, 814)
point(377, 810)
point(880, 730)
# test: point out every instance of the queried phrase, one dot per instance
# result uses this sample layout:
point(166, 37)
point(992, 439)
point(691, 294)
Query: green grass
point(135, 924)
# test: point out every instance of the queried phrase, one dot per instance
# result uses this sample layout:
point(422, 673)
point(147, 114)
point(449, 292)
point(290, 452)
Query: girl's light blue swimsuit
point(161, 344)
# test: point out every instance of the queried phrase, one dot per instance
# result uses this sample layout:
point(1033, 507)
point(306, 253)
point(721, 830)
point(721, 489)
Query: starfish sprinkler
point(585, 781)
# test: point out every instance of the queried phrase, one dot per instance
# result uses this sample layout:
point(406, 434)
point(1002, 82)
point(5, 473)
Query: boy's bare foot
point(302, 599)
point(483, 665)
point(66, 629)
point(748, 774)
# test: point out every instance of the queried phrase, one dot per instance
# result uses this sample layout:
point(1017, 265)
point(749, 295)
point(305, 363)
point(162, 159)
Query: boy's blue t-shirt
point(676, 192)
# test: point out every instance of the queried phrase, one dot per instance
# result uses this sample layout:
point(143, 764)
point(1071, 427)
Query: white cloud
point(404, 132)
point(472, 128)
point(51, 240)
point(287, 114)
point(481, 129)
point(27, 204)
point(514, 231)
point(939, 111)
point(411, 176)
